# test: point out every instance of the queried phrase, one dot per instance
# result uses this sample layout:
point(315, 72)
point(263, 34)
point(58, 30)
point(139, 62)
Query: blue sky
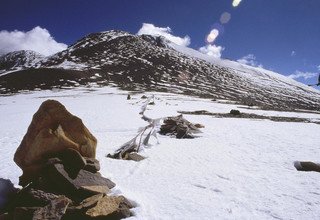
point(280, 35)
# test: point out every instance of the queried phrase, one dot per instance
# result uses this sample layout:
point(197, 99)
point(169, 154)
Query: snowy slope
point(153, 63)
point(235, 169)
point(18, 60)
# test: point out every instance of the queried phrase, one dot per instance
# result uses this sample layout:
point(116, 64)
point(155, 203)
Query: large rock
point(52, 130)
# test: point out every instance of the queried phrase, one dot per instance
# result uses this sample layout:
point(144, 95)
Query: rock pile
point(61, 176)
point(179, 127)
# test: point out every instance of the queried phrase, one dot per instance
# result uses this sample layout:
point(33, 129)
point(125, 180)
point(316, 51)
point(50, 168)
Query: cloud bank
point(305, 75)
point(165, 32)
point(250, 60)
point(212, 50)
point(38, 39)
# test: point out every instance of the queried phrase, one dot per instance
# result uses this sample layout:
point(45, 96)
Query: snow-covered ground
point(235, 169)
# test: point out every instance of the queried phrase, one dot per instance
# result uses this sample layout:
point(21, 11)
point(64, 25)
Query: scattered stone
point(55, 210)
point(52, 130)
point(92, 165)
point(179, 127)
point(111, 206)
point(234, 112)
point(128, 97)
point(199, 125)
point(134, 156)
point(144, 97)
point(307, 166)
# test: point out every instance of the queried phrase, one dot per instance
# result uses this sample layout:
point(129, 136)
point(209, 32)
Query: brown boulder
point(52, 130)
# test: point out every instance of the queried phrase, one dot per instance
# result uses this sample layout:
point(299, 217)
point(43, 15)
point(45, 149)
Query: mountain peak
point(19, 59)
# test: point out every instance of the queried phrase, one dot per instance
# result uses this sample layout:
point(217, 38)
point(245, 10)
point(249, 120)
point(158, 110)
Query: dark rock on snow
point(179, 127)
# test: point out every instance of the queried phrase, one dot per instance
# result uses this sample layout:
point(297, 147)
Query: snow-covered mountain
point(19, 60)
point(153, 63)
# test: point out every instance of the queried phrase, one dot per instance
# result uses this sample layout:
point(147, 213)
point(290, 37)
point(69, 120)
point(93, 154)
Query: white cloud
point(165, 32)
point(250, 60)
point(38, 39)
point(212, 50)
point(318, 67)
point(304, 75)
point(293, 53)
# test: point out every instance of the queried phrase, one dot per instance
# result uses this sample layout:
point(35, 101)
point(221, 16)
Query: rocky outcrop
point(52, 130)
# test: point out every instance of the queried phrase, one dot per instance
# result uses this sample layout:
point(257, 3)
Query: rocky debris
point(68, 185)
point(179, 127)
point(52, 130)
point(250, 115)
point(128, 97)
point(307, 166)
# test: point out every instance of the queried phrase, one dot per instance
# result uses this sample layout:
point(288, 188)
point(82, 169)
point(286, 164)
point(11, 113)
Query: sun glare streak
point(235, 3)
point(225, 18)
point(212, 36)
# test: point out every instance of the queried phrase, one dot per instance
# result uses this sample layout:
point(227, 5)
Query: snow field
point(235, 169)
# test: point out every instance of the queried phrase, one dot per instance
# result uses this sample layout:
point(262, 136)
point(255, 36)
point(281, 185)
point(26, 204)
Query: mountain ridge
point(146, 62)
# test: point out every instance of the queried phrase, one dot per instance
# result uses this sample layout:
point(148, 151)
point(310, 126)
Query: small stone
point(111, 206)
point(96, 189)
point(92, 165)
point(89, 202)
point(55, 210)
point(235, 112)
point(134, 157)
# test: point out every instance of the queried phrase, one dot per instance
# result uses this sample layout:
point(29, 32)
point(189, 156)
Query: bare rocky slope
point(153, 63)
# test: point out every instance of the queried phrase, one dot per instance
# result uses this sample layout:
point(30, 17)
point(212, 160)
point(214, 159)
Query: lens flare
point(225, 17)
point(212, 36)
point(235, 3)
